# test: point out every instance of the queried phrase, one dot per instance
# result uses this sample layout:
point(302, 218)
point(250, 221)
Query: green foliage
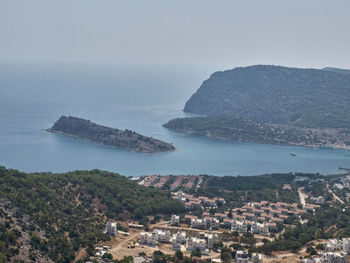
point(273, 94)
point(8, 240)
point(311, 251)
point(236, 128)
point(237, 190)
point(196, 253)
point(76, 203)
point(179, 254)
point(107, 256)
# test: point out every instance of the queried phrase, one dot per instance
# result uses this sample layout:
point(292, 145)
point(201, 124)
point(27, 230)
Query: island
point(124, 139)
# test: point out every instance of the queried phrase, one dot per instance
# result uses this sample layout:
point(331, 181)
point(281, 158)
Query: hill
point(278, 95)
point(236, 128)
point(339, 70)
point(129, 140)
point(47, 217)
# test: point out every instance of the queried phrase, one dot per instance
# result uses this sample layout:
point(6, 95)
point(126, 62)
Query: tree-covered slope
point(237, 128)
point(63, 213)
point(274, 94)
point(339, 70)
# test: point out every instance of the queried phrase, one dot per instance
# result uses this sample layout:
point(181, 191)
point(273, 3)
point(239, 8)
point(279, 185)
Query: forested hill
point(339, 70)
point(275, 94)
point(50, 217)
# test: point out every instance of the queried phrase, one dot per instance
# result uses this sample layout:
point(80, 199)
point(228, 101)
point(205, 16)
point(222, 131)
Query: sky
point(221, 34)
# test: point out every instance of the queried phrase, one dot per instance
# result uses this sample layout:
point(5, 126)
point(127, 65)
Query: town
point(210, 222)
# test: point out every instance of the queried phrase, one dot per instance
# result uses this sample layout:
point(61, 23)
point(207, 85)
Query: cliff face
point(125, 139)
point(274, 94)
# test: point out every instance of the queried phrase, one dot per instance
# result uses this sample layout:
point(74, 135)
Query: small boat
point(293, 154)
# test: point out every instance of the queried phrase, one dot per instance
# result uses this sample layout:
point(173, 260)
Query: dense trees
point(78, 204)
point(273, 94)
point(236, 128)
point(237, 190)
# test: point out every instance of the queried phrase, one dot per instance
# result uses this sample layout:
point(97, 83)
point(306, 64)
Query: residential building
point(241, 257)
point(111, 228)
point(198, 223)
point(260, 228)
point(175, 220)
point(212, 239)
point(149, 239)
point(240, 226)
point(196, 243)
point(162, 236)
point(346, 245)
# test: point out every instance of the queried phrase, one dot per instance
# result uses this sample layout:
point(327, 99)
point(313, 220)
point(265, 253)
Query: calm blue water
point(142, 98)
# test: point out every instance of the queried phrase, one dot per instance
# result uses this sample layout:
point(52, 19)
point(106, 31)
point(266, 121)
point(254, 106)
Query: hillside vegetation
point(125, 139)
point(279, 95)
point(236, 128)
point(46, 216)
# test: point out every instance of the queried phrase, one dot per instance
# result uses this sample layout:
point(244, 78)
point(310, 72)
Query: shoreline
point(108, 145)
point(314, 146)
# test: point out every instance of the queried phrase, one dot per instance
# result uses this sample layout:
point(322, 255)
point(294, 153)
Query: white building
point(196, 243)
point(212, 239)
point(175, 220)
point(240, 226)
point(346, 245)
point(337, 257)
point(241, 257)
point(111, 228)
point(177, 240)
point(198, 223)
point(180, 237)
point(256, 258)
point(149, 239)
point(328, 257)
point(162, 236)
point(260, 228)
point(333, 245)
point(175, 244)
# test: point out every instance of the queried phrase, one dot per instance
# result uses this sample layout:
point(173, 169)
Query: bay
point(136, 97)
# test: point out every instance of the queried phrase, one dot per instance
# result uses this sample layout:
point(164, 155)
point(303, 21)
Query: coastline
point(315, 146)
point(105, 144)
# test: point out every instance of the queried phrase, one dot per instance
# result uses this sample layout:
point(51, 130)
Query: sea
point(125, 96)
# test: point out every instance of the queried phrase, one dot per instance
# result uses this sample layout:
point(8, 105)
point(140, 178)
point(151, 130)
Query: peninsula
point(272, 105)
point(125, 139)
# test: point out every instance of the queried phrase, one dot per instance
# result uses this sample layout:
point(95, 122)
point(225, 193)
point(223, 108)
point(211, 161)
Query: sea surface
point(140, 98)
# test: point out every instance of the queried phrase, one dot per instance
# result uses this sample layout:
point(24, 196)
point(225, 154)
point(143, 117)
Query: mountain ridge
point(276, 94)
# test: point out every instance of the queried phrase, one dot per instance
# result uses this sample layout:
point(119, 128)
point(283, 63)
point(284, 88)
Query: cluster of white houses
point(203, 243)
point(336, 251)
point(256, 217)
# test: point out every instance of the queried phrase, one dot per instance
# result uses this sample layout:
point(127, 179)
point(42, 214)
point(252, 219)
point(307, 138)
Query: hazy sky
point(223, 34)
